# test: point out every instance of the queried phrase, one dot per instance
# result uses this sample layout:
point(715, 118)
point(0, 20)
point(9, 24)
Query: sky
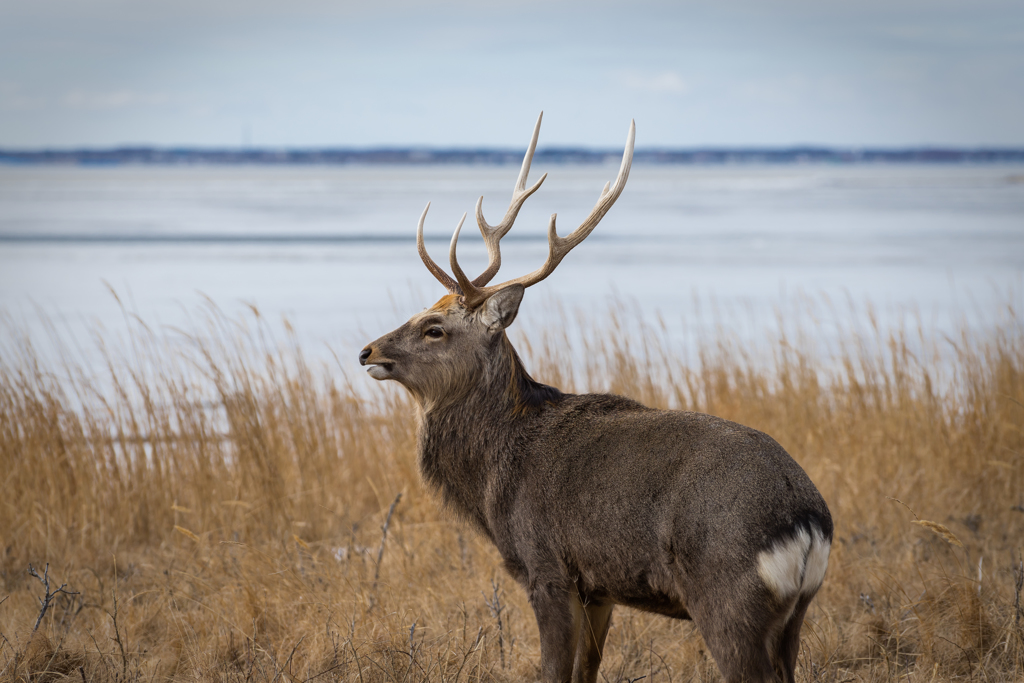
point(313, 73)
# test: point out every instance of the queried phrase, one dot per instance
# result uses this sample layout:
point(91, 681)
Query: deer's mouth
point(380, 370)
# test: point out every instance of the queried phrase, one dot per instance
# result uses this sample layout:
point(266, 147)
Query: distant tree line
point(423, 156)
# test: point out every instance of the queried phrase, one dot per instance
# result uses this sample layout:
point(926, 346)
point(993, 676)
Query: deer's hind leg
point(738, 637)
point(597, 618)
point(789, 642)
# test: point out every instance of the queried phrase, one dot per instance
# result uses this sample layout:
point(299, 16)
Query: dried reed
point(213, 505)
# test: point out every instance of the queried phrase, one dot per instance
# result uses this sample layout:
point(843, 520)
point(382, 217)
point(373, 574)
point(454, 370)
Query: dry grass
point(219, 509)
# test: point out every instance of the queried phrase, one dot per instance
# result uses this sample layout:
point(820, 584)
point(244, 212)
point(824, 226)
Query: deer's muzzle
point(380, 368)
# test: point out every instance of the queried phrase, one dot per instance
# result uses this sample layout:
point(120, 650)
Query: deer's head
point(440, 353)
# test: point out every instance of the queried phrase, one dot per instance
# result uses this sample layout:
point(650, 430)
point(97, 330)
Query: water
point(333, 249)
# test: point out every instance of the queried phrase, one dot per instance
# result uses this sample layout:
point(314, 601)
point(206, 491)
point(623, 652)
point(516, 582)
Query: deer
point(595, 500)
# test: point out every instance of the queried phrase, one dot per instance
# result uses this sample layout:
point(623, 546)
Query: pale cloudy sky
point(326, 73)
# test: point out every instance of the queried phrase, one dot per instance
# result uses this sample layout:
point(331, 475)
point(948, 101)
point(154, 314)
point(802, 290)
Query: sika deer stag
point(595, 500)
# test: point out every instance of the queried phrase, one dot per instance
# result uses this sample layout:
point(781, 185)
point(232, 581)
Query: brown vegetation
point(215, 507)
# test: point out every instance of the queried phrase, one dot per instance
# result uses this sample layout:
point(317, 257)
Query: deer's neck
point(466, 445)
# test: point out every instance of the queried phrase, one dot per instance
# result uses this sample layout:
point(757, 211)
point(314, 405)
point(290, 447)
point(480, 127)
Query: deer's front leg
point(559, 618)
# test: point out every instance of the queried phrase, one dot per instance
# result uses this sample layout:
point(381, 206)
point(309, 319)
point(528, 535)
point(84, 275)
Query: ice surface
point(338, 256)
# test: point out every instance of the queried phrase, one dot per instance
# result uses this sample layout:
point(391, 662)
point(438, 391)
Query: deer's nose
point(364, 354)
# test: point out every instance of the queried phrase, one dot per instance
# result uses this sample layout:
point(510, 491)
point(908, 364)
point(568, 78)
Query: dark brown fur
point(596, 500)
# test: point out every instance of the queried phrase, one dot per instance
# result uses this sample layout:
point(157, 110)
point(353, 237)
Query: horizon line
point(238, 238)
point(424, 155)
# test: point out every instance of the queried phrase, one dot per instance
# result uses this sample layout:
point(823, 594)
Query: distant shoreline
point(239, 238)
point(166, 156)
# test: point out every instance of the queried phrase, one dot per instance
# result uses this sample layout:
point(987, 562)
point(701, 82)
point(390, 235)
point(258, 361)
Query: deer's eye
point(434, 332)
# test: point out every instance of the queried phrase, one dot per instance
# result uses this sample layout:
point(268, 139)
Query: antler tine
point(435, 269)
point(524, 170)
point(558, 247)
point(493, 233)
point(472, 295)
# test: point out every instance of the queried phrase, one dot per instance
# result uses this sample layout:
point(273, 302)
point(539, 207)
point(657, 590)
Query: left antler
point(476, 292)
point(558, 247)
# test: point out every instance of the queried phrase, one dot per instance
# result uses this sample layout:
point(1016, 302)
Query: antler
point(558, 247)
point(435, 269)
point(475, 292)
point(493, 233)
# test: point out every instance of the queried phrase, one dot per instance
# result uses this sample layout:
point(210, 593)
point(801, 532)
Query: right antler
point(475, 292)
point(493, 234)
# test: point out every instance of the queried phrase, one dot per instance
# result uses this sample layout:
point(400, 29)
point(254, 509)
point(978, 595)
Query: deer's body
point(597, 500)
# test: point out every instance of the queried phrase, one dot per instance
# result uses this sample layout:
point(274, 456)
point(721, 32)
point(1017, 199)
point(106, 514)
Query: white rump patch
point(795, 565)
point(817, 562)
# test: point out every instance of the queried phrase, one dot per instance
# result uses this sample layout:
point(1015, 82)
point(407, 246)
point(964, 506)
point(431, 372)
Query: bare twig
point(117, 631)
point(496, 608)
point(44, 602)
point(14, 657)
point(664, 664)
point(286, 669)
point(383, 540)
point(355, 655)
point(470, 651)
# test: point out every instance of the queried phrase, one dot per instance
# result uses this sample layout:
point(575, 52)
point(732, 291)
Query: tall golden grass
point(216, 507)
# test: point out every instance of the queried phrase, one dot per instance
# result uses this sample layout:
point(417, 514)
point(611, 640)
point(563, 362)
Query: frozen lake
point(333, 248)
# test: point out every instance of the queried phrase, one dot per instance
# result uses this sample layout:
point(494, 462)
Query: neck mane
point(525, 394)
point(464, 443)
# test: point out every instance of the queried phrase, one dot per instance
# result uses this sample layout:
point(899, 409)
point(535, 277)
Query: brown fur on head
point(440, 354)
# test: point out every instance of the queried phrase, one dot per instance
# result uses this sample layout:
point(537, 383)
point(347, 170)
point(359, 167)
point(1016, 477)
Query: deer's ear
point(501, 308)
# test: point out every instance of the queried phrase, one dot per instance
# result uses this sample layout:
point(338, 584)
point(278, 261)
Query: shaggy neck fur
point(468, 446)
